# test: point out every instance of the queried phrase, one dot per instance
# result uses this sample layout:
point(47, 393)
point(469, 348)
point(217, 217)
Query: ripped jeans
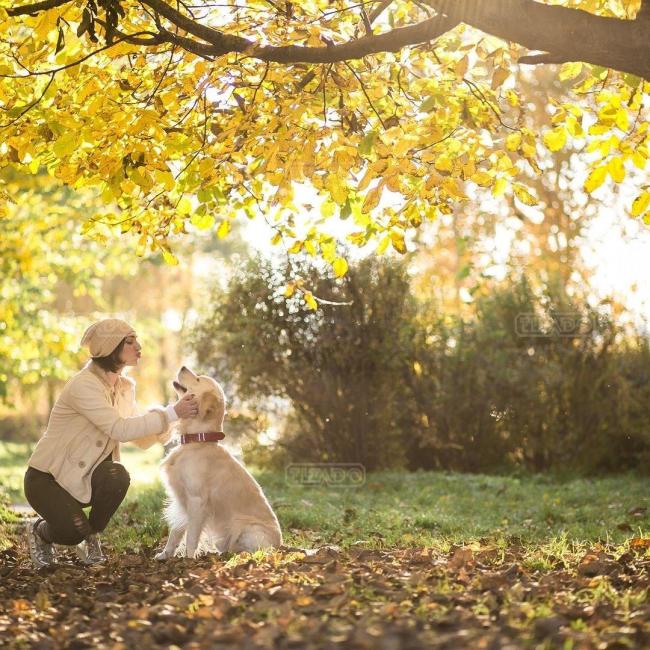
point(64, 520)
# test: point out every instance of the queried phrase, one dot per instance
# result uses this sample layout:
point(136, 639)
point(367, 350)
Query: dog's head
point(211, 398)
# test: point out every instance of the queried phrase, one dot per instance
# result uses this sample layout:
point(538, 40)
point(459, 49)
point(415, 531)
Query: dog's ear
point(209, 406)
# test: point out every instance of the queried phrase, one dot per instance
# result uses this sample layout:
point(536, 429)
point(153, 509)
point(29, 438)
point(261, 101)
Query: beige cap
point(104, 336)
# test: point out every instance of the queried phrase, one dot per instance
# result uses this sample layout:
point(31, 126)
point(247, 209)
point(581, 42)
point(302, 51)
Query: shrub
point(337, 366)
point(388, 382)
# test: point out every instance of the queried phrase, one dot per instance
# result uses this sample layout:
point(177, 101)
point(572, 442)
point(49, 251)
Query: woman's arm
point(164, 437)
point(88, 398)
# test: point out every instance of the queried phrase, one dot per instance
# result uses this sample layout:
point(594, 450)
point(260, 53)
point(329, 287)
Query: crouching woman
point(76, 462)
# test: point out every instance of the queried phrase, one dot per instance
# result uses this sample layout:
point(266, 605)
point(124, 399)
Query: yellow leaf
point(310, 247)
point(641, 203)
point(397, 239)
point(170, 258)
point(338, 190)
point(142, 244)
point(483, 179)
point(616, 169)
point(499, 76)
point(66, 144)
point(523, 194)
point(202, 221)
point(383, 245)
point(223, 229)
point(451, 186)
point(434, 179)
point(513, 141)
point(499, 187)
point(372, 199)
point(340, 267)
point(327, 208)
point(574, 127)
point(595, 179)
point(570, 70)
point(184, 206)
point(461, 67)
point(166, 179)
point(555, 138)
point(310, 300)
point(639, 160)
point(290, 289)
point(622, 119)
point(444, 164)
point(512, 98)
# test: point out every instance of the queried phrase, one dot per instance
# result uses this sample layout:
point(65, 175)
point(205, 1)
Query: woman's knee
point(119, 474)
point(116, 475)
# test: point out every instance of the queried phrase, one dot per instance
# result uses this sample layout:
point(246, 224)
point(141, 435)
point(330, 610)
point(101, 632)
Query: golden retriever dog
point(208, 489)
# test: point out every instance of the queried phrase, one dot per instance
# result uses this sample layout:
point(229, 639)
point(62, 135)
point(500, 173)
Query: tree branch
point(559, 33)
point(379, 10)
point(354, 49)
point(566, 34)
point(36, 7)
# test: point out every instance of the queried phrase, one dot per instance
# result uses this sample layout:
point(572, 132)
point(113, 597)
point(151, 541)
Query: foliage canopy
point(394, 111)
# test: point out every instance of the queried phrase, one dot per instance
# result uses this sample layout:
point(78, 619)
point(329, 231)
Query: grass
point(555, 517)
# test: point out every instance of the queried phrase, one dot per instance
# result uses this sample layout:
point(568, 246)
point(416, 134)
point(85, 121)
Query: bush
point(337, 366)
point(387, 382)
point(494, 397)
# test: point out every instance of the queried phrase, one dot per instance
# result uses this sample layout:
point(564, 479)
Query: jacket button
point(99, 443)
point(81, 463)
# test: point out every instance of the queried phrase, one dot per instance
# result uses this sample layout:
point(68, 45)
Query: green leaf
point(346, 209)
point(367, 143)
point(66, 144)
point(428, 104)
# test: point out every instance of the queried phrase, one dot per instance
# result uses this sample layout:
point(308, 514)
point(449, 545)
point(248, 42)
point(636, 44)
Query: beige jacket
point(87, 424)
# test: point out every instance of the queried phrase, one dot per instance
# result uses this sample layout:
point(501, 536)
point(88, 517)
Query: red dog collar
point(207, 436)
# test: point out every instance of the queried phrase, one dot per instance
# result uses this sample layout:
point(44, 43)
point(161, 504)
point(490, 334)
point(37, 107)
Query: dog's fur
point(210, 490)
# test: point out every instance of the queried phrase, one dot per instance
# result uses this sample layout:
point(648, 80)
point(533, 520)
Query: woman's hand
point(187, 406)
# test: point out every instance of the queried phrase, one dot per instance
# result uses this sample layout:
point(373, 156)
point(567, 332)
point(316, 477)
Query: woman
point(75, 463)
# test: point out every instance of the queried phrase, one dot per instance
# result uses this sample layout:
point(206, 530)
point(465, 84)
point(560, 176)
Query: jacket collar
point(121, 384)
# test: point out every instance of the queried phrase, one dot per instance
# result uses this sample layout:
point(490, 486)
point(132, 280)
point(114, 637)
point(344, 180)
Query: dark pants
point(64, 520)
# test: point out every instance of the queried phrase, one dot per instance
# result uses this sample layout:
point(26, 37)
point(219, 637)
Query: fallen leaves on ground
point(478, 597)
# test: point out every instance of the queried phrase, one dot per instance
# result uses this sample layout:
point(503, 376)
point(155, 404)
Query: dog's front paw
point(161, 556)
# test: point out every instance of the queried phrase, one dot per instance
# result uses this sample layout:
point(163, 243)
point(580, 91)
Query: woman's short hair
point(111, 362)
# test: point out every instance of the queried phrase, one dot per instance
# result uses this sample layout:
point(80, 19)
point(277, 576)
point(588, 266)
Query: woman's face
point(130, 351)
